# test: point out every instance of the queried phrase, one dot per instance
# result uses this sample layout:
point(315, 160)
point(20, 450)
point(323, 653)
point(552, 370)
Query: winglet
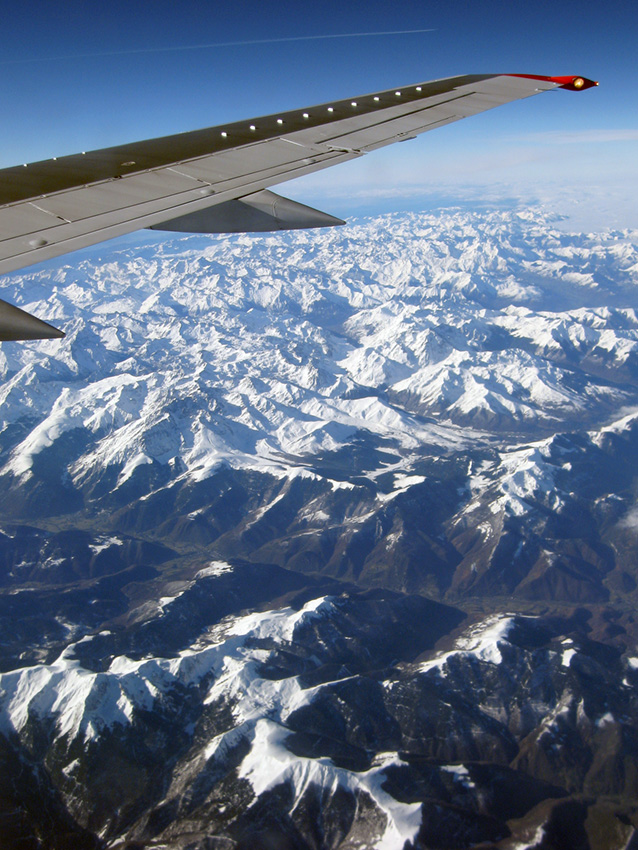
point(569, 83)
point(17, 324)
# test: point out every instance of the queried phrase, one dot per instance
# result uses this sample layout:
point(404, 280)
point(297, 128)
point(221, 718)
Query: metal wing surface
point(216, 180)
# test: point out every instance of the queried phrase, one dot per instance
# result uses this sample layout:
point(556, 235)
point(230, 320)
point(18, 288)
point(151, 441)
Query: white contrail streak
point(209, 46)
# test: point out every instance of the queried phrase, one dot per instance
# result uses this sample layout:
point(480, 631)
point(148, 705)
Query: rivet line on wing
point(306, 115)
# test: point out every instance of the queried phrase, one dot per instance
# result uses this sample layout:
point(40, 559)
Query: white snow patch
point(280, 625)
point(105, 543)
point(532, 842)
point(269, 764)
point(164, 601)
point(215, 568)
point(140, 459)
point(402, 481)
point(460, 773)
point(83, 703)
point(482, 640)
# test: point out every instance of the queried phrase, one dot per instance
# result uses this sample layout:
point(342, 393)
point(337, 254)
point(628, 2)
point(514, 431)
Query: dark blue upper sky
point(78, 76)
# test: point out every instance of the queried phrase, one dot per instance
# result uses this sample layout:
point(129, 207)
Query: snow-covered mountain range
point(260, 730)
point(325, 539)
point(250, 350)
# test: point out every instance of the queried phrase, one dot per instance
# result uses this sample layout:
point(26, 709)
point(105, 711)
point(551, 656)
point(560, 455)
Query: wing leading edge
point(216, 180)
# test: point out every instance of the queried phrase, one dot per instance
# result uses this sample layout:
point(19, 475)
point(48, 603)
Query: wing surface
point(55, 206)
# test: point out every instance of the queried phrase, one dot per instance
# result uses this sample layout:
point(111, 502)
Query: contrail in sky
point(208, 46)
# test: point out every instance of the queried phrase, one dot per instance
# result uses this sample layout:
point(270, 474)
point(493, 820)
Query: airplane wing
point(216, 180)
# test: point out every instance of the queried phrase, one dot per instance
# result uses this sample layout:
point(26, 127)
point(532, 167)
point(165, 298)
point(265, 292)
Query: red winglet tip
point(570, 83)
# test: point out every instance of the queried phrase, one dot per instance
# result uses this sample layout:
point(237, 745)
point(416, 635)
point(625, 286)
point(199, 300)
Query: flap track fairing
point(256, 213)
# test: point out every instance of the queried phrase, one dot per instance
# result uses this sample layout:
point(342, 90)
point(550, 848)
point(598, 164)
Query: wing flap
point(25, 220)
point(79, 204)
point(261, 161)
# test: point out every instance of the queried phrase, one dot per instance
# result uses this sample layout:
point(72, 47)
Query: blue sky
point(83, 76)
